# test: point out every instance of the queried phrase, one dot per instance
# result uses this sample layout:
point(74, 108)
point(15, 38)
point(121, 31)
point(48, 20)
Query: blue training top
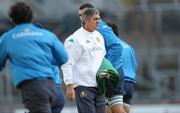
point(118, 52)
point(34, 53)
point(129, 62)
point(112, 45)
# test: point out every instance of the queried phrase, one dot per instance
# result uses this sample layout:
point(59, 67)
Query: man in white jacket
point(86, 51)
point(114, 55)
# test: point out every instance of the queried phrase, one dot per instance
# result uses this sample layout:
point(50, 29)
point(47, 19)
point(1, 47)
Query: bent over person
point(86, 52)
point(34, 55)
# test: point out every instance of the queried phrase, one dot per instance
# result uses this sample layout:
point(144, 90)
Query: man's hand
point(70, 93)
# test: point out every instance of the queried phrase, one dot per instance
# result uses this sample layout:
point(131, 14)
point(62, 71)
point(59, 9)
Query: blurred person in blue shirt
point(35, 55)
point(129, 69)
point(113, 54)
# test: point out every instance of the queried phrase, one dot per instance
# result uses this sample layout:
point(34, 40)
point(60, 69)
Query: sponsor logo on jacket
point(27, 32)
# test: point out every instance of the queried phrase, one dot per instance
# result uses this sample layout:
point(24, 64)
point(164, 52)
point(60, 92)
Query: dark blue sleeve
point(114, 55)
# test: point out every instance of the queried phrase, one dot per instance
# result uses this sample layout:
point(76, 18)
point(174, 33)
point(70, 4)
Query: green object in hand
point(107, 74)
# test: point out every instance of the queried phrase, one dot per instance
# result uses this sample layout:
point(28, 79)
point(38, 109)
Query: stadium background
point(151, 26)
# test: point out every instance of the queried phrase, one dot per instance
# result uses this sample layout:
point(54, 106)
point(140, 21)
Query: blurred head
point(83, 7)
point(90, 19)
point(21, 13)
point(114, 28)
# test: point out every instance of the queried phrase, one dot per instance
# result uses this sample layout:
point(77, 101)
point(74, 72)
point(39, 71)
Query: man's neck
point(88, 28)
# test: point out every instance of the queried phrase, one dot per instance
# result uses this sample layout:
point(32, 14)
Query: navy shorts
point(42, 96)
point(129, 89)
point(111, 91)
point(88, 100)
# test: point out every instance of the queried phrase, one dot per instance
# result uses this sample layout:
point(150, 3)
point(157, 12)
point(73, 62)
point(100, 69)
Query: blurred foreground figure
point(34, 55)
point(129, 69)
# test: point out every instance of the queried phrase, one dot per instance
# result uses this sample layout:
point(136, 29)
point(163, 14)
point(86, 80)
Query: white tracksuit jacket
point(86, 51)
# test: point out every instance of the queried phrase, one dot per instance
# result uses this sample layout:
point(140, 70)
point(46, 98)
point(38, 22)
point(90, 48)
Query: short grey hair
point(88, 14)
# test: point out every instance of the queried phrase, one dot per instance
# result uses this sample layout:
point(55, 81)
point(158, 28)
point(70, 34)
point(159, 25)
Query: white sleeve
point(74, 52)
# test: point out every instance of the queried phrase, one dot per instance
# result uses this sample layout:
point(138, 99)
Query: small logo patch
point(27, 30)
point(71, 40)
point(83, 94)
point(97, 39)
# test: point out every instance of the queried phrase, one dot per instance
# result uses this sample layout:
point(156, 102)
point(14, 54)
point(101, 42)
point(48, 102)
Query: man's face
point(92, 24)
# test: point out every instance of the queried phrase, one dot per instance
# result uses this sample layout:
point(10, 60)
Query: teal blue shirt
point(118, 52)
point(34, 53)
point(129, 62)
